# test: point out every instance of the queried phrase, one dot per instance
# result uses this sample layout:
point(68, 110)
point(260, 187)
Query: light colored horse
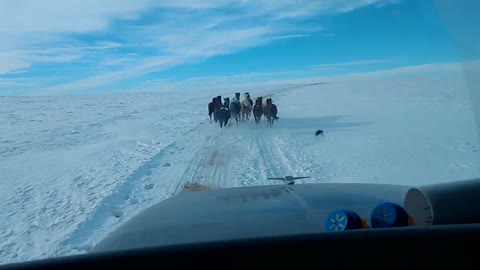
point(246, 107)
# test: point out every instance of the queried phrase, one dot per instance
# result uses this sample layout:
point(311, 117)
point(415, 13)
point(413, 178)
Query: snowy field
point(75, 168)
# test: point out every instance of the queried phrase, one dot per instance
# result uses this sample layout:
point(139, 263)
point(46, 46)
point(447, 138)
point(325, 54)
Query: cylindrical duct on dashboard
point(448, 203)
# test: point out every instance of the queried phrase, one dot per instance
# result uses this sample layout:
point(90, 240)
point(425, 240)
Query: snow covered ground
point(74, 168)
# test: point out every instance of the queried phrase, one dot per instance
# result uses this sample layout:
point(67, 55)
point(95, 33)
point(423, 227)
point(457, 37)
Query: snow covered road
point(75, 168)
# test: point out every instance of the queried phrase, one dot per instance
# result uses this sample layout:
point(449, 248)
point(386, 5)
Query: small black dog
point(319, 132)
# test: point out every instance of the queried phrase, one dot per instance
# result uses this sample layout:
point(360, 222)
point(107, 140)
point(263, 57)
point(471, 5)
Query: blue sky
point(90, 46)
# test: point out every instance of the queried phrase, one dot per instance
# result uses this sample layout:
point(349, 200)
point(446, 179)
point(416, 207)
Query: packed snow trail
point(241, 155)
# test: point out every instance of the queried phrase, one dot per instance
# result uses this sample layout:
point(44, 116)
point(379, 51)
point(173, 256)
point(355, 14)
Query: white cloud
point(290, 36)
point(420, 70)
point(352, 63)
point(182, 31)
point(58, 16)
point(10, 62)
point(276, 79)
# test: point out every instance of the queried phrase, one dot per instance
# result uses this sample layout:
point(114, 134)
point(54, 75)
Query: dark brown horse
point(211, 108)
point(271, 112)
point(236, 108)
point(258, 110)
point(218, 105)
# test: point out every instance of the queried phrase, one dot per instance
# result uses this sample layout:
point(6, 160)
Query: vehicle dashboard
point(327, 225)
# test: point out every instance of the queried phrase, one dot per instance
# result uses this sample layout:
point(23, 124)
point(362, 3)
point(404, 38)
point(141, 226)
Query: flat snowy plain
point(74, 168)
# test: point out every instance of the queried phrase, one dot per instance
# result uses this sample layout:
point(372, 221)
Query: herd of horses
point(241, 110)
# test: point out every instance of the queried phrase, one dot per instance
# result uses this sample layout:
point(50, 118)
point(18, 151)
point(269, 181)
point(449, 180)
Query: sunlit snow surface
point(74, 168)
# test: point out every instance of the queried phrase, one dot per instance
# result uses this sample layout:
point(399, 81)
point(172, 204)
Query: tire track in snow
point(249, 170)
point(268, 160)
point(195, 173)
point(237, 160)
point(298, 163)
point(224, 161)
point(111, 206)
point(210, 165)
point(280, 160)
point(110, 212)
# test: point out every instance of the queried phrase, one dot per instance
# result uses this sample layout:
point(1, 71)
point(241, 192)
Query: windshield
point(109, 107)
